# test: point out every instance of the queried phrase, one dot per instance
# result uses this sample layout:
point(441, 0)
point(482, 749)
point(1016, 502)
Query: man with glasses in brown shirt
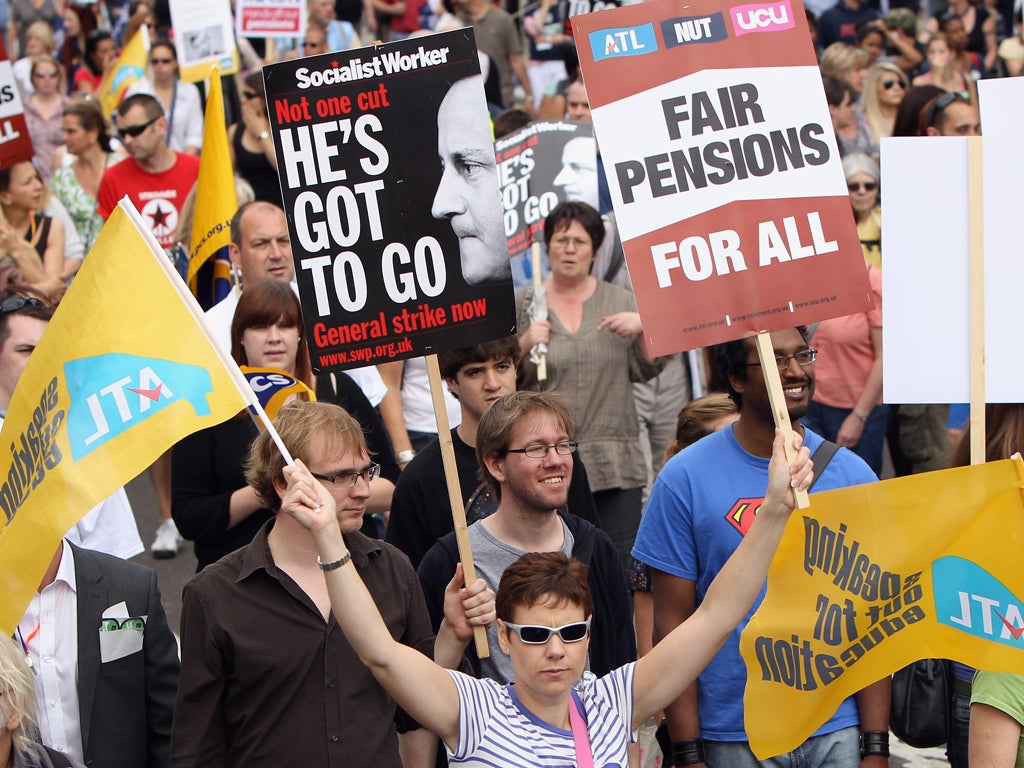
point(269, 679)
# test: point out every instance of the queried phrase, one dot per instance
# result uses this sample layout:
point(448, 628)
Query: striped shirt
point(496, 731)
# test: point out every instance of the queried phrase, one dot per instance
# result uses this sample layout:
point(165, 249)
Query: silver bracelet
point(404, 457)
point(335, 565)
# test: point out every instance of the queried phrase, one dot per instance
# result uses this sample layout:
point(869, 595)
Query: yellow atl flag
point(216, 201)
point(123, 372)
point(129, 67)
point(874, 577)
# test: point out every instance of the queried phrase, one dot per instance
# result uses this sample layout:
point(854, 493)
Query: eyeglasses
point(161, 61)
point(561, 241)
point(890, 84)
point(806, 357)
point(249, 94)
point(534, 634)
point(137, 130)
point(313, 44)
point(45, 74)
point(865, 186)
point(538, 451)
point(369, 474)
point(15, 303)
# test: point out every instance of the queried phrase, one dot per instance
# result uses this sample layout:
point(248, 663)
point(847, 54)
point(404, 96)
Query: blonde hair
point(43, 32)
point(870, 105)
point(839, 58)
point(17, 693)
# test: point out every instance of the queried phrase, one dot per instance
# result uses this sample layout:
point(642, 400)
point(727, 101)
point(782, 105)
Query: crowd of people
point(329, 621)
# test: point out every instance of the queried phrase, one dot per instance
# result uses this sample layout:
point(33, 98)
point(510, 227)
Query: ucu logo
point(761, 17)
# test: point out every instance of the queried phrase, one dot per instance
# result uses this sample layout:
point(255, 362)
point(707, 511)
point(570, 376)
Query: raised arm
point(674, 663)
point(421, 687)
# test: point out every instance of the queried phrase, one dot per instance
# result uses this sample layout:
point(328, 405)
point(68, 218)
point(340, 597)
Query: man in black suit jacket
point(127, 669)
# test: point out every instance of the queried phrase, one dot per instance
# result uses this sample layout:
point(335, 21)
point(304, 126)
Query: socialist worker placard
point(391, 192)
point(723, 168)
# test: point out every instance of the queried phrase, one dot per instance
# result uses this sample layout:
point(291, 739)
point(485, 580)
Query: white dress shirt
point(49, 634)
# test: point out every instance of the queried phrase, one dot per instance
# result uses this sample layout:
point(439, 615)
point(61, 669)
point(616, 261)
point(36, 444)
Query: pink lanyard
point(580, 737)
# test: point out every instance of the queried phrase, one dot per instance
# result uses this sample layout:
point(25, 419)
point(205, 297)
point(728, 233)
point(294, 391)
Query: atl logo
point(972, 600)
point(623, 41)
point(112, 393)
point(762, 17)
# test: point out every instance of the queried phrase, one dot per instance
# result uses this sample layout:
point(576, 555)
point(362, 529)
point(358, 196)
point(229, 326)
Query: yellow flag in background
point(123, 371)
point(216, 200)
point(874, 577)
point(129, 67)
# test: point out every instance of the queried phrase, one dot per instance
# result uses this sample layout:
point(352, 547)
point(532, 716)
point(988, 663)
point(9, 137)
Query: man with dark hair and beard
point(701, 506)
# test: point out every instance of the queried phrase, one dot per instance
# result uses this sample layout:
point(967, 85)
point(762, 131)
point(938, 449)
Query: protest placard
point(270, 18)
point(539, 166)
point(928, 316)
point(204, 35)
point(723, 168)
point(15, 143)
point(391, 191)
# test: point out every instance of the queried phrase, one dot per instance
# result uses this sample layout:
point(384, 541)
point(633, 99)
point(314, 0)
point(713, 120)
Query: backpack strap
point(821, 457)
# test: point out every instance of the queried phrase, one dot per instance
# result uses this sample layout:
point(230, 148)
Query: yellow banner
point(872, 578)
point(129, 67)
point(123, 371)
point(216, 200)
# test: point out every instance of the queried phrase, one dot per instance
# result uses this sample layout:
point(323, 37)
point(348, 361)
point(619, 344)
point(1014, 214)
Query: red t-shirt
point(158, 196)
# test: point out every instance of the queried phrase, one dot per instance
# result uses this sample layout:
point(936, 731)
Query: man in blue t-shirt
point(700, 507)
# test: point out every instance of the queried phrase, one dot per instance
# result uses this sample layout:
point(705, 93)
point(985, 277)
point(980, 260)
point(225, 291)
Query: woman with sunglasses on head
point(33, 240)
point(180, 100)
point(847, 406)
point(884, 89)
point(554, 713)
point(252, 148)
point(210, 501)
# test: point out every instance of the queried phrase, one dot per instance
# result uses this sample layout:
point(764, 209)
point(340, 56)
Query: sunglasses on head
point(890, 84)
point(938, 106)
point(533, 634)
point(17, 303)
point(137, 130)
point(867, 186)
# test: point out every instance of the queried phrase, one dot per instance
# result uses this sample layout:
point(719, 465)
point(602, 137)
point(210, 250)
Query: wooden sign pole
point(976, 283)
point(451, 473)
point(766, 356)
point(542, 364)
